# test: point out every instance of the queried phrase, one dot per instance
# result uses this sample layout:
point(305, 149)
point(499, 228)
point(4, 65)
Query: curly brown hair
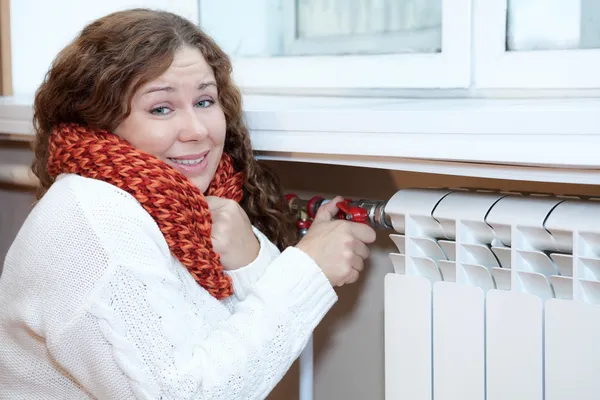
point(94, 78)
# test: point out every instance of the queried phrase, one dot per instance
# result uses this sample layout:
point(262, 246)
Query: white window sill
point(548, 140)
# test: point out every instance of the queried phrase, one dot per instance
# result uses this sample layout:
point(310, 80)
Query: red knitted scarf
point(177, 206)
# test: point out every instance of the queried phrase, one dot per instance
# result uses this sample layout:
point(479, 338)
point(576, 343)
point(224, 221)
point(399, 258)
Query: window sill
point(546, 140)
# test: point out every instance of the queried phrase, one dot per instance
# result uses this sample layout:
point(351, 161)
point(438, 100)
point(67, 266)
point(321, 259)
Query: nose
point(193, 127)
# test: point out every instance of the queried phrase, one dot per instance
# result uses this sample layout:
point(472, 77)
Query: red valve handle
point(346, 211)
point(303, 224)
point(354, 214)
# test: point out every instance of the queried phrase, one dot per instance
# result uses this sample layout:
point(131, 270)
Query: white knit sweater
point(93, 305)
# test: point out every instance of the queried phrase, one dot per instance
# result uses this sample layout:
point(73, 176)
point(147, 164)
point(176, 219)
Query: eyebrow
point(204, 85)
point(201, 86)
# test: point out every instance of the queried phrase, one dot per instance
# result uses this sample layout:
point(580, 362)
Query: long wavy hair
point(94, 78)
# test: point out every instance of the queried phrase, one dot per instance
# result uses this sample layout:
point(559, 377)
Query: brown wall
point(349, 342)
point(15, 202)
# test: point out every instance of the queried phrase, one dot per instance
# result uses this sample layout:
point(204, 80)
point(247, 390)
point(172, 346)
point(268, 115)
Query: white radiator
point(494, 297)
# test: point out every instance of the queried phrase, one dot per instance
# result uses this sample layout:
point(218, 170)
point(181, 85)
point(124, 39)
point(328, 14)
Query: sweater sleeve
point(147, 332)
point(245, 278)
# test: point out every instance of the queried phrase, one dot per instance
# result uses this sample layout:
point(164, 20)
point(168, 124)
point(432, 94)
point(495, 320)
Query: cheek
point(155, 143)
point(152, 137)
point(219, 129)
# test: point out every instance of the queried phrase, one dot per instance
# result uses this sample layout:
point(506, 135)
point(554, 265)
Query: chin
point(201, 183)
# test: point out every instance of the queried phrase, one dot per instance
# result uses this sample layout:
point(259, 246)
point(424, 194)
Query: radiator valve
point(371, 212)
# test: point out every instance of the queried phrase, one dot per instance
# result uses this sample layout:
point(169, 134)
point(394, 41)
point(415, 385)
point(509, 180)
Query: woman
point(159, 262)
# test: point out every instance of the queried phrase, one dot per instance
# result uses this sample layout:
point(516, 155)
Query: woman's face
point(178, 118)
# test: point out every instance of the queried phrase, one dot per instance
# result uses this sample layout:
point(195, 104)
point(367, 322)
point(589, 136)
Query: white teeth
point(187, 162)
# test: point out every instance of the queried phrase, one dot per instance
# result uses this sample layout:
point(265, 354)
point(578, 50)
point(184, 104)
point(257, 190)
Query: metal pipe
point(367, 211)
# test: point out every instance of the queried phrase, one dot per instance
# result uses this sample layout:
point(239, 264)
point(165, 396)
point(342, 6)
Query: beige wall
point(349, 342)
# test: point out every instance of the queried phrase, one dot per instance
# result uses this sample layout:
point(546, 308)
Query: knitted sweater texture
point(93, 304)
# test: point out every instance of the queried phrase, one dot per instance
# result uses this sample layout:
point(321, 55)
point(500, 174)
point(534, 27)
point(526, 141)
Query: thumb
point(215, 202)
point(328, 211)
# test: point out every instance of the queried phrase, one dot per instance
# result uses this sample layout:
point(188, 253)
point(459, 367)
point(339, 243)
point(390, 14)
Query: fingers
point(327, 211)
point(230, 207)
point(215, 203)
point(361, 250)
point(363, 232)
point(352, 277)
point(357, 263)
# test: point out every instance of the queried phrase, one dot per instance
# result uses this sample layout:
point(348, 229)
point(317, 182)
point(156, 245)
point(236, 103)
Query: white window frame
point(396, 42)
point(448, 69)
point(497, 68)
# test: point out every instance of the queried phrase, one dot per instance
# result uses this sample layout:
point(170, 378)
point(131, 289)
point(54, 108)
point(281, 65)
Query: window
point(362, 27)
point(315, 45)
point(549, 44)
point(343, 44)
point(567, 25)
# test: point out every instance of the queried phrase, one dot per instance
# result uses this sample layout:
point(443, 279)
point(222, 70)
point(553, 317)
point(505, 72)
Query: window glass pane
point(323, 27)
point(553, 25)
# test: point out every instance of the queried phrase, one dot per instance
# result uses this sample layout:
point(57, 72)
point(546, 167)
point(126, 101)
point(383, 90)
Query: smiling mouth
point(187, 162)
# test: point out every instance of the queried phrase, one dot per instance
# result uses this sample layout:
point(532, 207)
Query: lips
point(191, 165)
point(189, 159)
point(192, 161)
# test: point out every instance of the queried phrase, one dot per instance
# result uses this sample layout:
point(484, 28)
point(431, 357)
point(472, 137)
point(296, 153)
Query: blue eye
point(160, 110)
point(204, 103)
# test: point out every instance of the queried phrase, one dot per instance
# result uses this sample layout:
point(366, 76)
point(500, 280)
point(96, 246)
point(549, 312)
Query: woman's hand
point(337, 246)
point(232, 235)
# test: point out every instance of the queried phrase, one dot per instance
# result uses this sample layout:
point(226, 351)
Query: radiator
point(494, 296)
